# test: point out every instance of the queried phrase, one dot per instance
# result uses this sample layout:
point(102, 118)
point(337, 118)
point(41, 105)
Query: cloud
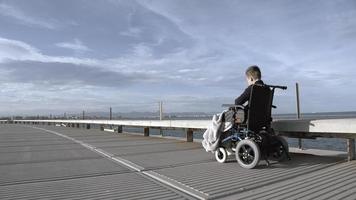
point(21, 17)
point(132, 32)
point(52, 73)
point(14, 50)
point(182, 50)
point(188, 70)
point(17, 50)
point(77, 46)
point(290, 42)
point(22, 63)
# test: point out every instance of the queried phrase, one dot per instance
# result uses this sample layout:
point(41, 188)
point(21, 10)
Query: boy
point(253, 76)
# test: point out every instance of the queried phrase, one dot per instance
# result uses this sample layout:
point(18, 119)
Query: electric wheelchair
point(251, 137)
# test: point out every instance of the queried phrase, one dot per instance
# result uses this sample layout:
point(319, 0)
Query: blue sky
point(73, 55)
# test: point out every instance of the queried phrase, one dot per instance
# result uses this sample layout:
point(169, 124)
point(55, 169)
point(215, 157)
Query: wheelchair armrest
point(233, 106)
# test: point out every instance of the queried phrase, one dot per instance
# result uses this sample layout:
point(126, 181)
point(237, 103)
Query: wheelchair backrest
point(260, 105)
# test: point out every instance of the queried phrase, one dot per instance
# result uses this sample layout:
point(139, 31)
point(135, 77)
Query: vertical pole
point(298, 100)
point(119, 129)
point(160, 116)
point(298, 112)
point(110, 116)
point(83, 118)
point(160, 110)
point(110, 113)
point(350, 149)
point(189, 135)
point(146, 131)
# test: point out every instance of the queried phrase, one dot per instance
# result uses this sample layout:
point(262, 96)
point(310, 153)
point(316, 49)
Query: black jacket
point(245, 96)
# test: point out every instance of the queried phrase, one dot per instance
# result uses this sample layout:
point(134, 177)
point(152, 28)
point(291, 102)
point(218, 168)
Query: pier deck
point(48, 162)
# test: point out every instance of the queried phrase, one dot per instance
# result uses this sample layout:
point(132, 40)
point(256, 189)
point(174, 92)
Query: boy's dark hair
point(254, 72)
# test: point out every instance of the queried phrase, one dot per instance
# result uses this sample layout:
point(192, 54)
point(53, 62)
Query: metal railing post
point(300, 145)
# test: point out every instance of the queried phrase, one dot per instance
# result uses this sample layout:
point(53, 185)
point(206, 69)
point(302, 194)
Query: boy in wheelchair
point(251, 136)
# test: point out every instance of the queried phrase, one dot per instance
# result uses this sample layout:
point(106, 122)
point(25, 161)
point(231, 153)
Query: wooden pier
point(39, 161)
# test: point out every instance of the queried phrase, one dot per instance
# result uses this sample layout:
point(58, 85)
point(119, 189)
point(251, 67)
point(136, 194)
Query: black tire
point(221, 155)
point(281, 151)
point(247, 153)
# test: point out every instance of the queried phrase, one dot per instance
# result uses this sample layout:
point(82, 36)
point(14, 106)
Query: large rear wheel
point(281, 150)
point(247, 153)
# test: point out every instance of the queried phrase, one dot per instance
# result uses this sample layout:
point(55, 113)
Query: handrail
point(330, 128)
point(193, 124)
point(347, 125)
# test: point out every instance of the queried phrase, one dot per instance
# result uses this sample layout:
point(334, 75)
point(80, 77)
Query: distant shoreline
point(184, 116)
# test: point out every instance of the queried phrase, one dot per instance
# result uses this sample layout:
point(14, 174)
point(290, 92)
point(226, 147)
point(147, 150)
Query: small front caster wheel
point(221, 155)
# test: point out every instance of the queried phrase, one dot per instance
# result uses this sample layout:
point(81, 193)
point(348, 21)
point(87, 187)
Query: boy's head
point(253, 74)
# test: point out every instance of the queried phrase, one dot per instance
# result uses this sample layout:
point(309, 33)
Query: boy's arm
point(244, 97)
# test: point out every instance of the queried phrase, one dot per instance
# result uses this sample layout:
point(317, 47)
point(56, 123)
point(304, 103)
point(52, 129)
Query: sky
point(74, 55)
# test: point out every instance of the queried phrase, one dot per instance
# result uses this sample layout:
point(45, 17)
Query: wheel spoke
point(251, 158)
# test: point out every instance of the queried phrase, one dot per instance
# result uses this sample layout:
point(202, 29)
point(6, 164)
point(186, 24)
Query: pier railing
point(329, 128)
